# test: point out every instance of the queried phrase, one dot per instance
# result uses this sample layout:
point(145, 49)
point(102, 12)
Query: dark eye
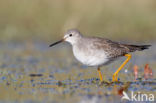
point(70, 35)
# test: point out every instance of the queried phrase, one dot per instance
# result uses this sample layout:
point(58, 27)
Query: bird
point(97, 52)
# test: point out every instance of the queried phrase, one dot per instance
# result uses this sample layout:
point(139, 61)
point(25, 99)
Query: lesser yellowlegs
point(96, 52)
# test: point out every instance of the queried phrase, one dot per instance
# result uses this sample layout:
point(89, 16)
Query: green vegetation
point(49, 19)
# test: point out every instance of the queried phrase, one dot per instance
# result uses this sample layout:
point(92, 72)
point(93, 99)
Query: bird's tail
point(137, 47)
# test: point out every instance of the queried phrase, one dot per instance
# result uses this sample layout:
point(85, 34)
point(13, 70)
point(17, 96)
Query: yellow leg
point(115, 75)
point(100, 75)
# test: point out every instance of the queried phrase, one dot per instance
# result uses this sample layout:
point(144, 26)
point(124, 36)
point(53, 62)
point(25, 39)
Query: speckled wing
point(113, 49)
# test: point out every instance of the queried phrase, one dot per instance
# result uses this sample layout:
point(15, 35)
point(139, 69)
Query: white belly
point(91, 58)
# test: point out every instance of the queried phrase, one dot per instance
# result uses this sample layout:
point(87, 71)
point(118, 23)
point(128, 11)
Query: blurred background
point(31, 72)
point(24, 20)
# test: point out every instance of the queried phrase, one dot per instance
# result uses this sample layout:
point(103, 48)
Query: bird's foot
point(115, 77)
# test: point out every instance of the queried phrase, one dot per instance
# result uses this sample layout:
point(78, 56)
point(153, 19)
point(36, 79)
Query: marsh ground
point(33, 73)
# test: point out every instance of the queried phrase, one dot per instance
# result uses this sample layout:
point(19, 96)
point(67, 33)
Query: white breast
point(91, 57)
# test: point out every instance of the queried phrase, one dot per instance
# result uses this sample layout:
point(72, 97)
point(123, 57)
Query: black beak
point(56, 43)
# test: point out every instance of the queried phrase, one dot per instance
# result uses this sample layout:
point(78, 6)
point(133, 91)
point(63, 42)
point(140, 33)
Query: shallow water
point(33, 73)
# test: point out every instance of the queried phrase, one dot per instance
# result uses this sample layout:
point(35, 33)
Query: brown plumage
point(117, 49)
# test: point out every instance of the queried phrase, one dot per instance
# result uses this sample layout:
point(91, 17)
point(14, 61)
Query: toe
point(115, 77)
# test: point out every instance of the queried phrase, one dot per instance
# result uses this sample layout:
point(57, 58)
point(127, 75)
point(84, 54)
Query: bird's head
point(71, 36)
